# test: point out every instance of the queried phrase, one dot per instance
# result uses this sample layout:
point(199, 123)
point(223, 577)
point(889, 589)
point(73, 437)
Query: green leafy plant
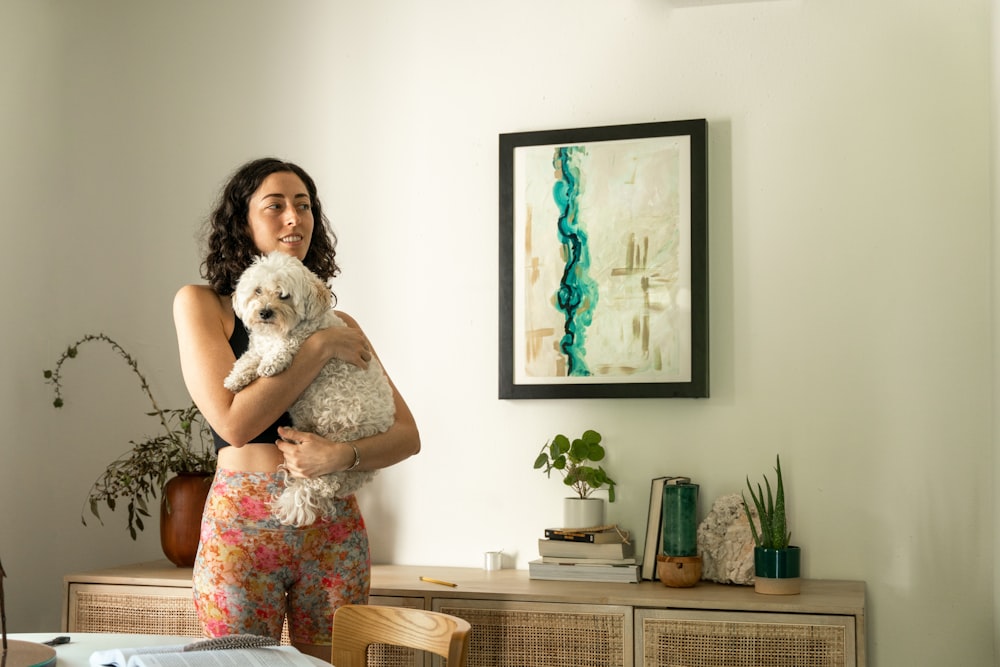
point(573, 460)
point(773, 532)
point(184, 445)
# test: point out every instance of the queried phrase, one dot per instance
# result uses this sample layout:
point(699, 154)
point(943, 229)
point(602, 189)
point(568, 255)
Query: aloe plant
point(572, 458)
point(773, 532)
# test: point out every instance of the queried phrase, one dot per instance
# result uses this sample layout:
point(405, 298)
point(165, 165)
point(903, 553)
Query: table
point(82, 644)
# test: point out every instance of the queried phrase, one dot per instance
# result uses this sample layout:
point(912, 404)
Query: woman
point(250, 570)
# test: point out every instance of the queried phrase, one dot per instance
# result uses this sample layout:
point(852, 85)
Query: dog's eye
point(284, 297)
point(258, 291)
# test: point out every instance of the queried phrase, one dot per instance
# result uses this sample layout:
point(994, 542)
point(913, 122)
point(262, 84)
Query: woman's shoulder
point(199, 297)
point(348, 320)
point(200, 310)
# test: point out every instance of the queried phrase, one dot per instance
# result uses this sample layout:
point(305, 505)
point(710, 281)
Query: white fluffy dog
point(281, 302)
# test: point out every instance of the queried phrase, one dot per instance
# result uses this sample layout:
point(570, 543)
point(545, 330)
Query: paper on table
point(118, 657)
point(171, 656)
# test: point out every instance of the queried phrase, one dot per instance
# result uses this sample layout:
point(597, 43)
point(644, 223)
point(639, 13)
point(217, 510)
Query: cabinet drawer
point(384, 655)
point(665, 638)
point(141, 610)
point(156, 610)
point(514, 634)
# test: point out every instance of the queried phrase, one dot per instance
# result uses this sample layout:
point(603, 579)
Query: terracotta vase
point(678, 571)
point(180, 516)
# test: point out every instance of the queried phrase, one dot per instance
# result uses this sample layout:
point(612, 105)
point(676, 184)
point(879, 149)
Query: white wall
point(995, 173)
point(850, 262)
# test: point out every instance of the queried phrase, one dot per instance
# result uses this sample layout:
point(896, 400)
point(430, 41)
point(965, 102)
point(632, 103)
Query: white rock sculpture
point(725, 542)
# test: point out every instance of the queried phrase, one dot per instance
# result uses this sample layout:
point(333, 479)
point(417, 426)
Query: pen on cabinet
point(438, 581)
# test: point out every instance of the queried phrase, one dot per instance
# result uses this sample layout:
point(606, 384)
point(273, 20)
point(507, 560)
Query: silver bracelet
point(357, 458)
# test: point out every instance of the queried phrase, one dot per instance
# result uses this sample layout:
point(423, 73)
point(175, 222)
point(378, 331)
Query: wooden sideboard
point(521, 621)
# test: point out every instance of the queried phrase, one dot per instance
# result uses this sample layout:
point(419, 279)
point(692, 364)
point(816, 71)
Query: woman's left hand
point(307, 454)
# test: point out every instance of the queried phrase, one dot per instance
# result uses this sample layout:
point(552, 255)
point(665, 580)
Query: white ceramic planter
point(583, 512)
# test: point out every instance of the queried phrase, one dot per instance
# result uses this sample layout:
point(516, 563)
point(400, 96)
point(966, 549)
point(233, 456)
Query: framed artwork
point(604, 262)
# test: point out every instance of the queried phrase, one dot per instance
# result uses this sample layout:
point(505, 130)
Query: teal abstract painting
point(601, 275)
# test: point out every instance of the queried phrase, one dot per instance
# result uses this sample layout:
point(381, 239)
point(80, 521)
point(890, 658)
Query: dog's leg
point(244, 372)
point(273, 364)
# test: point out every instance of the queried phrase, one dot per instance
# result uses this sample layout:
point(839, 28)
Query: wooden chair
point(356, 627)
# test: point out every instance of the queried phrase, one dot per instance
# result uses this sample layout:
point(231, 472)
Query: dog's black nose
point(266, 314)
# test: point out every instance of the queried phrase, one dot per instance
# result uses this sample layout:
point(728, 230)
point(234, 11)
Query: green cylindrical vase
point(680, 520)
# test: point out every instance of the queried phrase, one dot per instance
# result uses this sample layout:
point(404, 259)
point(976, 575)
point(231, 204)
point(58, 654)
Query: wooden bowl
point(678, 571)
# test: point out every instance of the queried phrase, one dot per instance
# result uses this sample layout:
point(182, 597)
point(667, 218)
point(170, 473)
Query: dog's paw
point(244, 372)
point(234, 382)
point(273, 365)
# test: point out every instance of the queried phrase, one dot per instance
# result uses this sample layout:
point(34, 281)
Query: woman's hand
point(345, 343)
point(309, 455)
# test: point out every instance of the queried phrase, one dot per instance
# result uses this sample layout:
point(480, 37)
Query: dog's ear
point(240, 296)
point(236, 306)
point(322, 300)
point(245, 287)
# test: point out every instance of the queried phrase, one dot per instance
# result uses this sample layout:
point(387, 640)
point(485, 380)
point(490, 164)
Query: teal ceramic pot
point(777, 570)
point(777, 563)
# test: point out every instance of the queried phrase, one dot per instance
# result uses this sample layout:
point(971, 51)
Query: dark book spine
point(568, 537)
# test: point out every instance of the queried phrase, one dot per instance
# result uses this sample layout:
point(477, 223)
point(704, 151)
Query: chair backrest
point(355, 627)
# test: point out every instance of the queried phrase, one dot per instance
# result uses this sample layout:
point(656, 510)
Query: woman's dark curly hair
point(230, 246)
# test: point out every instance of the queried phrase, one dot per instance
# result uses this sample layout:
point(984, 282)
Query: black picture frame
point(625, 226)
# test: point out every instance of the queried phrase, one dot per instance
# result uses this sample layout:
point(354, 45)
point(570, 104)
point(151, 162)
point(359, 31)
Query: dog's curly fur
point(281, 303)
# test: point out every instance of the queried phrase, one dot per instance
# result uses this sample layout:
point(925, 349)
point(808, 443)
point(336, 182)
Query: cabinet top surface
point(817, 596)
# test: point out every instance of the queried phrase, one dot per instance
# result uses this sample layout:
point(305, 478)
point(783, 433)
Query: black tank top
point(239, 342)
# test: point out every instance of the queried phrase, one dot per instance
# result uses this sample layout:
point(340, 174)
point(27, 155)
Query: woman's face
point(280, 215)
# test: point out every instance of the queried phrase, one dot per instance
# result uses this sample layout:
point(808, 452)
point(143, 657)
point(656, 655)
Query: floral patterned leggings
point(251, 570)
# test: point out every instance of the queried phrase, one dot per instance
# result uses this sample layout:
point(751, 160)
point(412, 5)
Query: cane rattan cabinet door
point(675, 638)
point(542, 634)
point(383, 655)
point(153, 610)
point(131, 609)
point(167, 610)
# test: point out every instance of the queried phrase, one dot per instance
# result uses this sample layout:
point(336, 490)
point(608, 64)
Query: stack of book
point(603, 553)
